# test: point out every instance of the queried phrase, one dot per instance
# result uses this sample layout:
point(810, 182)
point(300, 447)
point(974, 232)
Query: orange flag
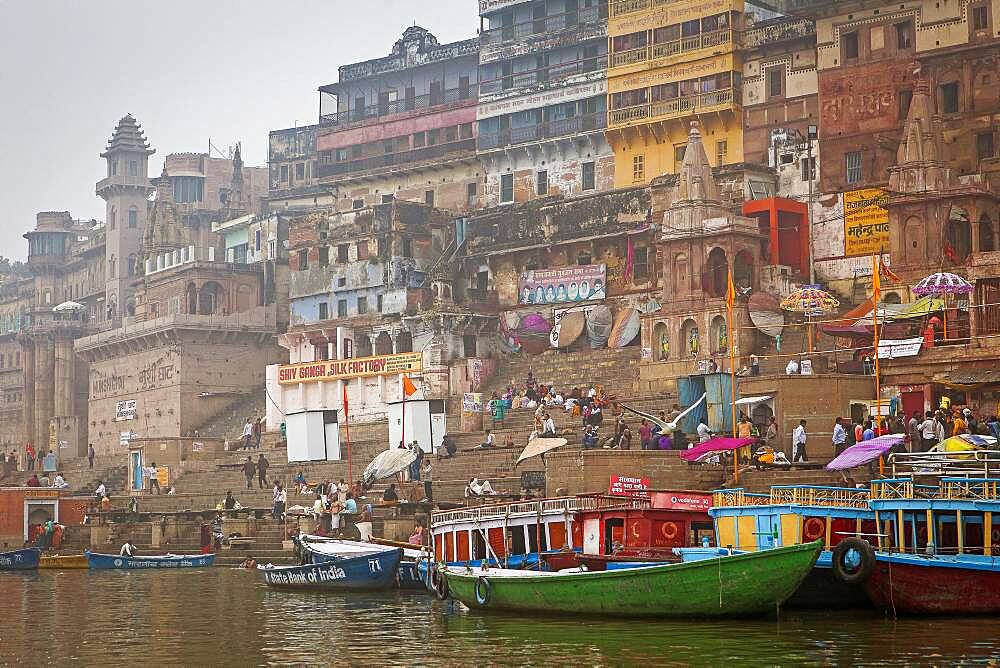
point(730, 293)
point(876, 280)
point(408, 386)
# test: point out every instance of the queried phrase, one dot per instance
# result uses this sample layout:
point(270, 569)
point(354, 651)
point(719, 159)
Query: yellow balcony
point(653, 53)
point(665, 110)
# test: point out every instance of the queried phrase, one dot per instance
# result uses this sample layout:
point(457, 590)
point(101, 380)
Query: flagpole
point(730, 298)
point(347, 430)
point(876, 297)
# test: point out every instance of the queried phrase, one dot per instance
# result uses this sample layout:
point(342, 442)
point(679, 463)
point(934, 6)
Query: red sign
point(625, 486)
point(682, 501)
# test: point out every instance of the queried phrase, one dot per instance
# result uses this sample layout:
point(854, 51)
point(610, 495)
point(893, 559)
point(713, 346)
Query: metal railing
point(731, 498)
point(974, 489)
point(548, 74)
point(559, 506)
point(540, 26)
point(399, 106)
point(392, 159)
point(812, 495)
point(968, 463)
point(676, 107)
point(672, 48)
point(549, 130)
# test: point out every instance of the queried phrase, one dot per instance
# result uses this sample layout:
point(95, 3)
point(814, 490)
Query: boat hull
point(65, 562)
point(410, 576)
point(364, 573)
point(934, 586)
point(729, 586)
point(20, 560)
point(115, 562)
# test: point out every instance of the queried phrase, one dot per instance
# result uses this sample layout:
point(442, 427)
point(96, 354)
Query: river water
point(222, 617)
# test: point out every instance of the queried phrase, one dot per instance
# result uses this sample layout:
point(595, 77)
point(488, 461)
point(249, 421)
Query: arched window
point(720, 335)
point(191, 296)
point(209, 298)
point(383, 344)
point(717, 273)
point(363, 345)
point(131, 264)
point(743, 269)
point(892, 298)
point(690, 339)
point(404, 342)
point(112, 217)
point(111, 267)
point(681, 274)
point(958, 233)
point(133, 217)
point(661, 342)
point(986, 244)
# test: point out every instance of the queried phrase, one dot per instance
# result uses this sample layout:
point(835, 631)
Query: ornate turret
point(128, 137)
point(695, 182)
point(164, 231)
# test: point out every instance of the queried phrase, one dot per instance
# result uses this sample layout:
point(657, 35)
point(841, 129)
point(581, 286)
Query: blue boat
point(362, 573)
point(139, 563)
point(20, 560)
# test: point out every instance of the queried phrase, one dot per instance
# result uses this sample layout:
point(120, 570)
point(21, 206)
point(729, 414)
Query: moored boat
point(318, 550)
point(20, 560)
point(64, 561)
point(365, 572)
point(117, 562)
point(724, 586)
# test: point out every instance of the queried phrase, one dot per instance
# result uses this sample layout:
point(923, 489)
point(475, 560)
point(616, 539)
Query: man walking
point(262, 466)
point(153, 480)
point(247, 434)
point(29, 453)
point(248, 470)
point(256, 433)
point(839, 436)
point(799, 443)
point(913, 429)
point(90, 455)
point(280, 497)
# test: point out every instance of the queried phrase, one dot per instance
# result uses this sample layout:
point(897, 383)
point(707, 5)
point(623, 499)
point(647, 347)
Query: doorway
point(39, 512)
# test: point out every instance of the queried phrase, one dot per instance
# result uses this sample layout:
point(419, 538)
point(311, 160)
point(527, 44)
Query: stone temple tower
point(126, 189)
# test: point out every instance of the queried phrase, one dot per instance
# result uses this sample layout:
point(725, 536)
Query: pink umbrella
point(942, 283)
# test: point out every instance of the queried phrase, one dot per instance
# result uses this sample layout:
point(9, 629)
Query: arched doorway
point(717, 273)
point(383, 344)
point(719, 335)
point(743, 269)
point(690, 339)
point(191, 297)
point(958, 233)
point(209, 298)
point(404, 342)
point(681, 275)
point(661, 342)
point(913, 241)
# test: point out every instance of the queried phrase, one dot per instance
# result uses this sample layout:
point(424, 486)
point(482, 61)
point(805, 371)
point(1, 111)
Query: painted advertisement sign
point(866, 221)
point(563, 286)
point(125, 410)
point(681, 500)
point(361, 367)
point(625, 486)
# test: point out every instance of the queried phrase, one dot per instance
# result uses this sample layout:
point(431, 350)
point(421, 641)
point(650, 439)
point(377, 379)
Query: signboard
point(125, 410)
point(866, 221)
point(678, 12)
point(681, 501)
point(125, 436)
point(892, 348)
point(626, 486)
point(197, 446)
point(545, 98)
point(361, 367)
point(472, 402)
point(806, 368)
point(701, 68)
point(563, 286)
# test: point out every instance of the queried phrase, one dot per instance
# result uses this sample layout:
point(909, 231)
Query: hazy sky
point(188, 70)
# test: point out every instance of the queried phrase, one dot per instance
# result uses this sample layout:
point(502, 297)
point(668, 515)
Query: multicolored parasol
point(811, 301)
point(943, 283)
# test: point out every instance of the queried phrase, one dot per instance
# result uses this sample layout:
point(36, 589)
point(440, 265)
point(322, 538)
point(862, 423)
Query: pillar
point(44, 390)
point(28, 398)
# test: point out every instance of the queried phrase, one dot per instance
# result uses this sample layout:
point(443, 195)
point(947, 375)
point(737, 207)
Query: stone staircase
point(228, 423)
point(81, 478)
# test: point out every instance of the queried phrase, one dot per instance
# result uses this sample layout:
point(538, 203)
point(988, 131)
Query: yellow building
point(670, 61)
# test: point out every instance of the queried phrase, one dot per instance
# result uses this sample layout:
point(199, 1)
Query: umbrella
point(943, 283)
point(811, 302)
point(539, 446)
point(864, 452)
point(387, 464)
point(713, 445)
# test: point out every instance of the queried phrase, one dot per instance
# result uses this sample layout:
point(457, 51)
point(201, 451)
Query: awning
point(539, 446)
point(753, 401)
point(713, 445)
point(865, 452)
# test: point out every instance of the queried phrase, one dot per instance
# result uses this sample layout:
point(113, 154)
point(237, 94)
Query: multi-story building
point(542, 97)
point(294, 182)
point(670, 62)
point(400, 127)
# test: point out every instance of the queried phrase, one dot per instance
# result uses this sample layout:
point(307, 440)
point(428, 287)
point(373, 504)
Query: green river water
point(222, 617)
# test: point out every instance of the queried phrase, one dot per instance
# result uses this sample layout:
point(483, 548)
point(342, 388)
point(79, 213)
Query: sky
point(188, 70)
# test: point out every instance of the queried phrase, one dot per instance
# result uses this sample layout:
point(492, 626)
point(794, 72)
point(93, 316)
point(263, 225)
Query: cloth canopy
point(387, 464)
point(713, 445)
point(539, 446)
point(864, 452)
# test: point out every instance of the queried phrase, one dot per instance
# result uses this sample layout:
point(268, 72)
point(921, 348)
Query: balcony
point(355, 117)
point(778, 31)
point(652, 52)
point(376, 162)
point(663, 110)
point(544, 75)
point(541, 26)
point(548, 130)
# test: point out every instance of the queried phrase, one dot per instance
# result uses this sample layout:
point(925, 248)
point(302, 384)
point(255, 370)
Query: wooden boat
point(360, 573)
point(64, 561)
point(746, 584)
point(571, 327)
point(115, 562)
point(599, 322)
point(625, 328)
point(335, 551)
point(20, 560)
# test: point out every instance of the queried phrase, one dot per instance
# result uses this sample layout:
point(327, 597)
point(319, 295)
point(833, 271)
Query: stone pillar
point(44, 388)
point(28, 399)
point(61, 400)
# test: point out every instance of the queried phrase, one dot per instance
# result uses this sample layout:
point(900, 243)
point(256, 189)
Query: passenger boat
point(318, 550)
point(116, 562)
point(20, 560)
point(723, 585)
point(360, 573)
point(64, 561)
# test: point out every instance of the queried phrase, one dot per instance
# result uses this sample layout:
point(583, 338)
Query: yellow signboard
point(671, 14)
point(681, 72)
point(361, 367)
point(866, 222)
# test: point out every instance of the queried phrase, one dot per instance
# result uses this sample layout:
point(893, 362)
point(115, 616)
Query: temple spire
point(695, 181)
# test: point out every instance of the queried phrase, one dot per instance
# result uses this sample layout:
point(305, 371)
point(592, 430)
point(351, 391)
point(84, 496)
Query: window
point(465, 130)
point(853, 163)
point(324, 311)
point(589, 177)
point(542, 183)
point(980, 18)
point(362, 305)
point(640, 264)
point(949, 98)
point(904, 35)
point(303, 259)
point(284, 174)
point(721, 149)
point(638, 168)
point(358, 204)
point(363, 250)
point(407, 247)
point(849, 45)
point(188, 188)
point(984, 145)
point(387, 199)
point(471, 196)
point(679, 150)
point(341, 308)
point(905, 97)
point(807, 169)
point(775, 81)
point(378, 303)
point(463, 88)
point(133, 217)
point(429, 197)
point(133, 168)
point(583, 258)
point(300, 171)
point(324, 256)
point(506, 187)
point(342, 253)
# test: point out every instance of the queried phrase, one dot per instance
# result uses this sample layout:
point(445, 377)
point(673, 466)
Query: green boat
point(725, 585)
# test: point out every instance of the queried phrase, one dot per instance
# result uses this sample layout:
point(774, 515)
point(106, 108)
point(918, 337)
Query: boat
point(20, 560)
point(319, 550)
point(599, 322)
point(64, 561)
point(362, 573)
point(98, 561)
point(736, 585)
point(625, 328)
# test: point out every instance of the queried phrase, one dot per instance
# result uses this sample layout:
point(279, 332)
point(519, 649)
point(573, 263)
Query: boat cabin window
point(478, 546)
point(534, 534)
point(517, 545)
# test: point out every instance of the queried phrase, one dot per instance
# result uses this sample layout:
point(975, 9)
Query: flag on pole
point(408, 387)
point(887, 271)
point(345, 401)
point(730, 292)
point(876, 280)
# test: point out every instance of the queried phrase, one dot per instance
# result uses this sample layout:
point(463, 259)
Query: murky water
point(221, 617)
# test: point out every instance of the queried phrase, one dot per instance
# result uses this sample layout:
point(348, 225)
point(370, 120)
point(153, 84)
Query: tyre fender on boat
point(853, 560)
point(484, 589)
point(439, 582)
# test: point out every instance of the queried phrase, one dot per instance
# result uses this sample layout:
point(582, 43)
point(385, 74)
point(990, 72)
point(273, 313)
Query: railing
point(550, 73)
point(975, 489)
point(676, 107)
point(540, 26)
point(561, 128)
point(560, 506)
point(809, 495)
point(732, 498)
point(399, 106)
point(392, 159)
point(671, 48)
point(968, 463)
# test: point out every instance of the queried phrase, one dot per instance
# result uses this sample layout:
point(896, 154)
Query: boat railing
point(817, 495)
point(974, 489)
point(731, 498)
point(556, 506)
point(969, 463)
